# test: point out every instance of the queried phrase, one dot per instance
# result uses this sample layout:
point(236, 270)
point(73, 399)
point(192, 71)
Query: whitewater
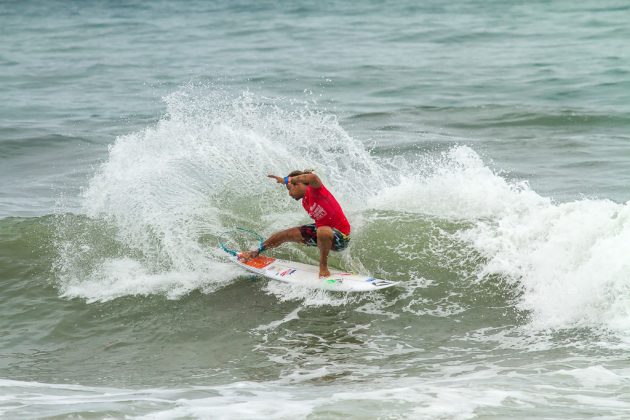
point(478, 150)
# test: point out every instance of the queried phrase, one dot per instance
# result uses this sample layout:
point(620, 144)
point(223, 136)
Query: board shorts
point(309, 235)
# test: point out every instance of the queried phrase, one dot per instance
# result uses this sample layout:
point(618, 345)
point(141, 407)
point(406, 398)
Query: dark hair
point(304, 172)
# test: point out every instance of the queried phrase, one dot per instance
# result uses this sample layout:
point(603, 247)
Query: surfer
point(331, 230)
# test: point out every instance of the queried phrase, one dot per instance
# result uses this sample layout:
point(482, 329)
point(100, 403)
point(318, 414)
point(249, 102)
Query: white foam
point(275, 324)
point(596, 376)
point(568, 259)
point(115, 278)
point(457, 184)
point(171, 190)
point(454, 391)
point(309, 297)
point(242, 400)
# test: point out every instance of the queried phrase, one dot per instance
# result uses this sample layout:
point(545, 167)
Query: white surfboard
point(307, 275)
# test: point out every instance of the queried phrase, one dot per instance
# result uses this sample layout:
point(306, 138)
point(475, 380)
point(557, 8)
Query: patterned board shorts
point(309, 234)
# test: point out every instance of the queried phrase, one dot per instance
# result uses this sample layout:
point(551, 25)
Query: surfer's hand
point(278, 179)
point(247, 255)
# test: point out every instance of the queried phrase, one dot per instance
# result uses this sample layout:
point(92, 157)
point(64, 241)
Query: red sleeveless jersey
point(320, 204)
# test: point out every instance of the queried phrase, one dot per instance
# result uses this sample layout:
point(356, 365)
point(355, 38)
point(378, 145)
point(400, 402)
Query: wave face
point(159, 204)
point(490, 273)
point(169, 191)
point(479, 149)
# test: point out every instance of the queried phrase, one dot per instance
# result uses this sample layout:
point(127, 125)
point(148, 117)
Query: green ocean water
point(479, 149)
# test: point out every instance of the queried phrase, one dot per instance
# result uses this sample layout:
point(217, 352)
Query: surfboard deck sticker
point(307, 275)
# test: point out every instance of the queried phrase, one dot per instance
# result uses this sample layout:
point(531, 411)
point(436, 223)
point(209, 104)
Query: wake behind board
point(306, 275)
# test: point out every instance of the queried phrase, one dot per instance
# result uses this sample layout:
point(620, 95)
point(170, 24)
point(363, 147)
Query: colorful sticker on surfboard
point(259, 262)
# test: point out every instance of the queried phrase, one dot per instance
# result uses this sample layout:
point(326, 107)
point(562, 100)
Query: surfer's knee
point(325, 232)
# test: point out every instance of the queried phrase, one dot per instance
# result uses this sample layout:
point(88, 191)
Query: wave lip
point(568, 260)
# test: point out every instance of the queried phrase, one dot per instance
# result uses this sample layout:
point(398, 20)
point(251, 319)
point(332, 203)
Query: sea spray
point(169, 191)
point(165, 195)
point(569, 260)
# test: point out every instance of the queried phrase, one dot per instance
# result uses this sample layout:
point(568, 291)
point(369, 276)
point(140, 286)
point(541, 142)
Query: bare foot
point(323, 272)
point(247, 255)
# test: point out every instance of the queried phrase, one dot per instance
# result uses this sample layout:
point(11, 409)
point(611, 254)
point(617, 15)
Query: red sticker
point(260, 261)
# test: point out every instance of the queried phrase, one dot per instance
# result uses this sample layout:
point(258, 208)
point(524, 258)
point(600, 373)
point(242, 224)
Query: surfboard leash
point(234, 252)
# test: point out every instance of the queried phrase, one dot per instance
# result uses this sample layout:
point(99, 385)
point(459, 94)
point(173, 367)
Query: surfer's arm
point(310, 179)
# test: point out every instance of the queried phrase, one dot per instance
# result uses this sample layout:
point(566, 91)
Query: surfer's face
point(296, 191)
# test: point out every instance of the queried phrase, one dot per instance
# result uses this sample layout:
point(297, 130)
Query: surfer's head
point(297, 190)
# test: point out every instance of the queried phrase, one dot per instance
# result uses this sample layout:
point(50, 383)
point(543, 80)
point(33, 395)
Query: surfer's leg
point(309, 234)
point(325, 237)
point(288, 235)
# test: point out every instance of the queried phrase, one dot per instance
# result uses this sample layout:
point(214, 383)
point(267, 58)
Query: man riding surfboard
point(331, 230)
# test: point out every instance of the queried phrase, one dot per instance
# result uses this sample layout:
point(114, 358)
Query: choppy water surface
point(480, 151)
